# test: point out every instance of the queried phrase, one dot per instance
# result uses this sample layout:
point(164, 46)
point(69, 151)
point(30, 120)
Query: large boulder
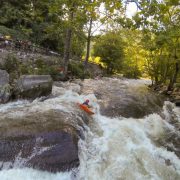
point(127, 98)
point(51, 151)
point(44, 140)
point(5, 89)
point(33, 86)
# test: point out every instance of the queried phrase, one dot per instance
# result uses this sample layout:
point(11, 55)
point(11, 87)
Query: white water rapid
point(116, 148)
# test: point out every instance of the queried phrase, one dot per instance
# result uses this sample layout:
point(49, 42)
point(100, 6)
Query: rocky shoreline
point(173, 95)
point(27, 86)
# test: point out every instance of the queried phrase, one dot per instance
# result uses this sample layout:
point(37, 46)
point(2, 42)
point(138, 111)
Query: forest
point(144, 45)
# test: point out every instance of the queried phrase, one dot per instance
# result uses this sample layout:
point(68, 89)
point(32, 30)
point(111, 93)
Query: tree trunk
point(173, 79)
point(67, 50)
point(88, 48)
point(156, 79)
point(152, 82)
point(166, 70)
point(67, 47)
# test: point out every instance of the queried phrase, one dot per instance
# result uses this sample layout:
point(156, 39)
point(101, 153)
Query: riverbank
point(172, 96)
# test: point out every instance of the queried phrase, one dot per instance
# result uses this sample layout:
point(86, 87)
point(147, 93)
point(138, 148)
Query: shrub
point(24, 69)
point(134, 73)
point(39, 63)
point(110, 48)
point(13, 33)
point(11, 63)
point(76, 69)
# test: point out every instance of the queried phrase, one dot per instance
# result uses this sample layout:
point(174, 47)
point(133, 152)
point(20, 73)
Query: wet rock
point(177, 100)
point(170, 137)
point(75, 87)
point(163, 90)
point(136, 106)
point(51, 151)
point(33, 86)
point(175, 96)
point(169, 92)
point(171, 140)
point(62, 155)
point(5, 88)
point(177, 103)
point(46, 141)
point(168, 162)
point(127, 98)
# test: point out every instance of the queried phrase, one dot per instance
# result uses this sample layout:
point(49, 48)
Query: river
point(134, 134)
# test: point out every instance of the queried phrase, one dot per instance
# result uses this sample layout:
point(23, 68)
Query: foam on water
point(12, 105)
point(31, 174)
point(123, 148)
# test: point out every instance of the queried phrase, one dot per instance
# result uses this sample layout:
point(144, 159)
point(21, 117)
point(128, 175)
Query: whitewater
point(113, 148)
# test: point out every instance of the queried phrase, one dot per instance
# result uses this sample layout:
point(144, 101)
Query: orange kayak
point(85, 108)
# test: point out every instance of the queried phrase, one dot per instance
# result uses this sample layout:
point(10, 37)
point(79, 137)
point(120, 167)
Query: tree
point(71, 13)
point(110, 49)
point(160, 23)
point(134, 53)
point(96, 16)
point(91, 15)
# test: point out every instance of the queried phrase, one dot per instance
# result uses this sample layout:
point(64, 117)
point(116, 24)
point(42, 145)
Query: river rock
point(175, 96)
point(45, 141)
point(33, 86)
point(5, 89)
point(61, 156)
point(127, 98)
point(177, 100)
point(169, 92)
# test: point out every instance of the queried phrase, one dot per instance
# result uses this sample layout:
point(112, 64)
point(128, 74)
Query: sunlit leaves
point(110, 48)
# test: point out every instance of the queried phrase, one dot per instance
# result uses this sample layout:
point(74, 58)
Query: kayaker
point(86, 107)
point(86, 102)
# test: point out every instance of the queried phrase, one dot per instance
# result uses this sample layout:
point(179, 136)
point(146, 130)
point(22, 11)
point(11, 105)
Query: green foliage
point(110, 48)
point(15, 68)
point(24, 69)
point(161, 40)
point(132, 72)
point(155, 42)
point(177, 85)
point(11, 63)
point(53, 40)
point(42, 68)
point(133, 64)
point(78, 45)
point(13, 13)
point(54, 72)
point(40, 63)
point(13, 33)
point(76, 69)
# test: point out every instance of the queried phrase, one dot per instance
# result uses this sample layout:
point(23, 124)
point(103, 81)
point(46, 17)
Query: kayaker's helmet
point(87, 100)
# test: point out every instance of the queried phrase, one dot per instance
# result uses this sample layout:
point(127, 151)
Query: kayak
point(85, 108)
